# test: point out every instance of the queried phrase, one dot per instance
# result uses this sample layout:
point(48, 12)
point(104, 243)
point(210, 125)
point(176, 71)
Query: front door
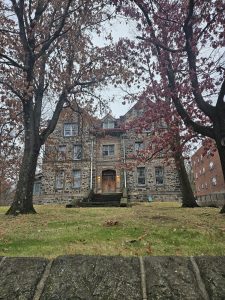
point(108, 181)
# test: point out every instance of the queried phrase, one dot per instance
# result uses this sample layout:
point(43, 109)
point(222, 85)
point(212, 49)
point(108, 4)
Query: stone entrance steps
point(102, 200)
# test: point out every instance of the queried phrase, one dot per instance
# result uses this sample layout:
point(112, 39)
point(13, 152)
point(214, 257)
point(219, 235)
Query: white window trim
point(68, 132)
point(108, 124)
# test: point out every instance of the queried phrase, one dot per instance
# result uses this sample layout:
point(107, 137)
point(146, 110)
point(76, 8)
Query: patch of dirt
point(162, 218)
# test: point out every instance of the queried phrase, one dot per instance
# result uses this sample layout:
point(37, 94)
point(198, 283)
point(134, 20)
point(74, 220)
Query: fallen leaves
point(110, 223)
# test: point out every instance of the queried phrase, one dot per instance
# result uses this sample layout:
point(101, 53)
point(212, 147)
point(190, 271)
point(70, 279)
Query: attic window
point(108, 124)
point(70, 129)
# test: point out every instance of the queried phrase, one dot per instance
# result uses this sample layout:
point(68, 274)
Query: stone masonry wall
point(53, 163)
point(168, 191)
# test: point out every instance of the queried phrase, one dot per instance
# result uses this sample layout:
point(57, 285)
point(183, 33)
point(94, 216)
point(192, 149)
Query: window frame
point(76, 177)
point(105, 124)
point(62, 154)
point(81, 152)
point(158, 176)
point(72, 131)
point(214, 181)
point(57, 178)
point(139, 176)
point(108, 151)
point(37, 191)
point(136, 150)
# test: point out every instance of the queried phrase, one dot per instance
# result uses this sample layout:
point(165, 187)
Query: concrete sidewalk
point(112, 277)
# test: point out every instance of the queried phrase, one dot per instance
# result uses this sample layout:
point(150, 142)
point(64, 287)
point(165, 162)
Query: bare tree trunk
point(188, 198)
point(221, 151)
point(23, 200)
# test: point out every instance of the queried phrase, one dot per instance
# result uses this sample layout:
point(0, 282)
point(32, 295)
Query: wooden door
point(108, 181)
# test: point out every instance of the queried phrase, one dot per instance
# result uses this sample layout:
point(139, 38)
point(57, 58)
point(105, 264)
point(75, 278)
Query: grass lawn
point(144, 229)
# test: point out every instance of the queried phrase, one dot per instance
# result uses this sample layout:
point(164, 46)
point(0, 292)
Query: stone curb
point(112, 277)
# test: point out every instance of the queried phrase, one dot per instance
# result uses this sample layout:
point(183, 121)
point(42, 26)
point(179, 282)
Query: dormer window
point(108, 124)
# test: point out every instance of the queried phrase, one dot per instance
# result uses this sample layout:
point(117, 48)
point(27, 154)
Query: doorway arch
point(109, 181)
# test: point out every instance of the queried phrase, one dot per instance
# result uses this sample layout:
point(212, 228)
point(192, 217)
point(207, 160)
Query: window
point(138, 146)
point(77, 152)
point(162, 124)
point(108, 150)
point(214, 181)
point(159, 175)
point(211, 165)
point(37, 188)
point(76, 179)
point(108, 124)
point(160, 153)
point(59, 181)
point(203, 170)
point(209, 152)
point(62, 152)
point(70, 129)
point(141, 175)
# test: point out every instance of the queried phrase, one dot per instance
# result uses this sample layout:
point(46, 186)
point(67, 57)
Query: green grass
point(144, 229)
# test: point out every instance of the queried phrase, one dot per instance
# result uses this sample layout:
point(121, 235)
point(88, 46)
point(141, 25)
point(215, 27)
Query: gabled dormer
point(108, 122)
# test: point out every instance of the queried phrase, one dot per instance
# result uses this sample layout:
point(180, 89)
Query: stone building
point(86, 154)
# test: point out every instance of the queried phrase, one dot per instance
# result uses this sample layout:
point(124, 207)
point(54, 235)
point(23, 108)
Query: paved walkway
point(115, 278)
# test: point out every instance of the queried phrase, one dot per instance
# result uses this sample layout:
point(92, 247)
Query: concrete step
point(106, 197)
point(100, 204)
point(102, 200)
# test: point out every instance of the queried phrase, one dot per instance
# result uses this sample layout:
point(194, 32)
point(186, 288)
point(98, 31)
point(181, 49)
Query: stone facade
point(85, 153)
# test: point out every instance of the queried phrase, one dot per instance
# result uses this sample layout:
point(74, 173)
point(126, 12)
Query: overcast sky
point(119, 30)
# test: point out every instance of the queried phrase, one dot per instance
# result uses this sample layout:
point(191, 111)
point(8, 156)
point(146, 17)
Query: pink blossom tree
point(47, 59)
point(185, 45)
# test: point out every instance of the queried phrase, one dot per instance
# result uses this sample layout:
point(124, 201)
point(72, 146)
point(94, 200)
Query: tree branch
point(220, 100)
point(53, 122)
point(204, 130)
point(207, 109)
point(13, 62)
point(57, 32)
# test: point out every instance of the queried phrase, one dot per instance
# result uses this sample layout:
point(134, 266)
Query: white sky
point(119, 29)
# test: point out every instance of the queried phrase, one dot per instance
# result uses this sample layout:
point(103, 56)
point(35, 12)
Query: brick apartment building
point(208, 175)
point(85, 153)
